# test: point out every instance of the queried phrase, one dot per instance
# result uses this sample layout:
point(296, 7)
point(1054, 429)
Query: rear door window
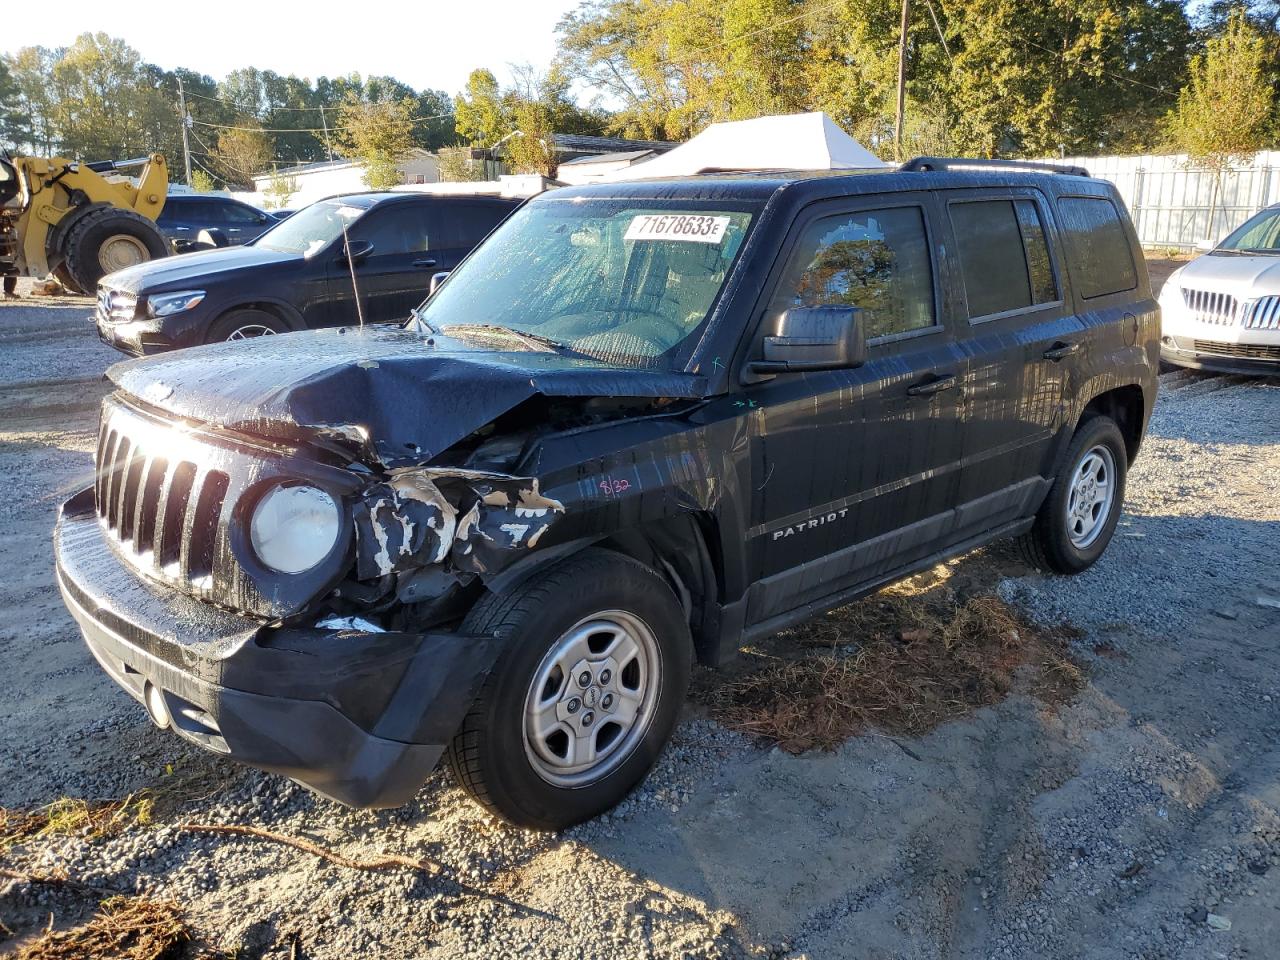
point(1098, 246)
point(238, 213)
point(1004, 257)
point(877, 260)
point(463, 225)
point(175, 210)
point(394, 230)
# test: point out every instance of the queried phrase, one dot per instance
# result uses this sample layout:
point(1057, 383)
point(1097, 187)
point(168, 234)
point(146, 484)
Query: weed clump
point(901, 662)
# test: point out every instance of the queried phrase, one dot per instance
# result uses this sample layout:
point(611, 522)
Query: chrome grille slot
point(165, 518)
point(144, 540)
point(129, 494)
point(1211, 307)
point(177, 493)
point(1263, 314)
point(115, 483)
point(204, 524)
point(166, 494)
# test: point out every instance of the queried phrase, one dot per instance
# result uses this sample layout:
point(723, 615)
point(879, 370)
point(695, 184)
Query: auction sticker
point(690, 227)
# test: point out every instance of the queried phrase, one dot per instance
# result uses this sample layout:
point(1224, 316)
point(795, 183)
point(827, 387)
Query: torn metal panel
point(401, 524)
point(408, 522)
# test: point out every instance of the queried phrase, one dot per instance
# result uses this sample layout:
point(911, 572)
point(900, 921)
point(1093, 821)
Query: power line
point(321, 130)
point(1115, 76)
point(231, 103)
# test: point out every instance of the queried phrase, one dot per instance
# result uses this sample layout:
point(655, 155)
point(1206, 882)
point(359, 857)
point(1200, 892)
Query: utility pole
point(325, 123)
point(186, 121)
point(902, 79)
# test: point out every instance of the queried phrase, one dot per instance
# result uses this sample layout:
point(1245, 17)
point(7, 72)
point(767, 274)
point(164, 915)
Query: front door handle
point(930, 387)
point(427, 262)
point(1061, 350)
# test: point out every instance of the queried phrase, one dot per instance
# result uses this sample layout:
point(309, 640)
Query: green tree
point(1076, 75)
point(456, 166)
point(106, 105)
point(1224, 112)
point(32, 71)
point(13, 121)
point(380, 135)
point(203, 182)
point(478, 113)
point(279, 189)
point(242, 153)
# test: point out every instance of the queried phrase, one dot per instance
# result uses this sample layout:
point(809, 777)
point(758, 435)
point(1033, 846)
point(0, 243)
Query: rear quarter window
point(1003, 255)
point(1097, 246)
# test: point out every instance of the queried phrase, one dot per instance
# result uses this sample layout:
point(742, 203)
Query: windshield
point(311, 229)
point(1259, 234)
point(624, 281)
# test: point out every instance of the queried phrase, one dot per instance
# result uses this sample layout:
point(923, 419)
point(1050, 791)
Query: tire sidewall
point(618, 584)
point(89, 238)
point(1097, 431)
point(228, 323)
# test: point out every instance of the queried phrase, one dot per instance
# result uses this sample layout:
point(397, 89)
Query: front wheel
point(584, 696)
point(247, 324)
point(1079, 516)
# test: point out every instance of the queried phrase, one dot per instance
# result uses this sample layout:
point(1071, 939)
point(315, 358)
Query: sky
point(428, 43)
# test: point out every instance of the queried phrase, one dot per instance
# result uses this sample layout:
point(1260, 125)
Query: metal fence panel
point(1175, 204)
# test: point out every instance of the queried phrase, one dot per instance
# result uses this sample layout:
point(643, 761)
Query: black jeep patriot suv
point(641, 424)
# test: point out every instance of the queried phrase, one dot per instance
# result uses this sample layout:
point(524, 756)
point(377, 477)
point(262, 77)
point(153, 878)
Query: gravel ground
point(1121, 825)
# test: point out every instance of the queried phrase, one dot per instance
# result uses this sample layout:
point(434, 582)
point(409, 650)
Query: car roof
point(804, 185)
point(371, 198)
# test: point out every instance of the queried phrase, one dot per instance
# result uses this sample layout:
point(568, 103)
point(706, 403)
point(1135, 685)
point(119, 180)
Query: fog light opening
point(157, 709)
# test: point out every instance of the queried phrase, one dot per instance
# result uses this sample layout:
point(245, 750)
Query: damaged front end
point(423, 534)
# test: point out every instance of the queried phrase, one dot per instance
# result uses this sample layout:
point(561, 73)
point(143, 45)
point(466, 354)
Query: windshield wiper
point(525, 336)
point(416, 313)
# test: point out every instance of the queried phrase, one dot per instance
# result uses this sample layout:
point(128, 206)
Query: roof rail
point(942, 164)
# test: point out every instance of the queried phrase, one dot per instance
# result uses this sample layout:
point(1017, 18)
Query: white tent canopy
point(802, 141)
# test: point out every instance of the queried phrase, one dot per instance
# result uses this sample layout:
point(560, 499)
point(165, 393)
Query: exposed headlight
point(167, 304)
point(294, 527)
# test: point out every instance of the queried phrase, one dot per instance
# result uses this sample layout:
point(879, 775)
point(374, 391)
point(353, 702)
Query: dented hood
point(405, 399)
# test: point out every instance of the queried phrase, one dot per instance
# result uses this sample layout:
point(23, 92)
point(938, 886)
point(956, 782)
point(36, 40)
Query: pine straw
point(74, 817)
point(896, 662)
point(124, 928)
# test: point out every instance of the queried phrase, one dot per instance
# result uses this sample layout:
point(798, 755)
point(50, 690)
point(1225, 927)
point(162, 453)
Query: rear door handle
point(930, 387)
point(428, 262)
point(1061, 350)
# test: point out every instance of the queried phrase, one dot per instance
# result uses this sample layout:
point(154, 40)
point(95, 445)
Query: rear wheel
point(584, 697)
point(1079, 516)
point(246, 324)
point(107, 240)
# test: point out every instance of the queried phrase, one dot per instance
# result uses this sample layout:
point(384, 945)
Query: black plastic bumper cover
point(358, 717)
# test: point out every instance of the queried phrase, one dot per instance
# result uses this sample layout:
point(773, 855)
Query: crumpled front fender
point(476, 521)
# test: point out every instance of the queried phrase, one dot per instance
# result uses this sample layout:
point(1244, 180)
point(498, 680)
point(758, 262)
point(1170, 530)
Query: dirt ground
point(1139, 819)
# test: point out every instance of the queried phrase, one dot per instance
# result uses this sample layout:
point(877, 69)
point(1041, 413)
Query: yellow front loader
point(78, 221)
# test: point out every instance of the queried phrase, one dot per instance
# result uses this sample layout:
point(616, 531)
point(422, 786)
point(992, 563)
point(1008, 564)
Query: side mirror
point(814, 338)
point(437, 279)
point(356, 251)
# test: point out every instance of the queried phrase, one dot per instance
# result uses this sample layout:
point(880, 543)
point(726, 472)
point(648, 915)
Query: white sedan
point(1221, 311)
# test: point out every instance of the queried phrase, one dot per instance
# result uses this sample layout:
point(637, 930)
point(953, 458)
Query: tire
point(63, 276)
point(1066, 540)
point(245, 324)
point(595, 594)
point(110, 239)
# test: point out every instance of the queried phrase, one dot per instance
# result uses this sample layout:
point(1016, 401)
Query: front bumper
point(137, 338)
point(1218, 356)
point(358, 717)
